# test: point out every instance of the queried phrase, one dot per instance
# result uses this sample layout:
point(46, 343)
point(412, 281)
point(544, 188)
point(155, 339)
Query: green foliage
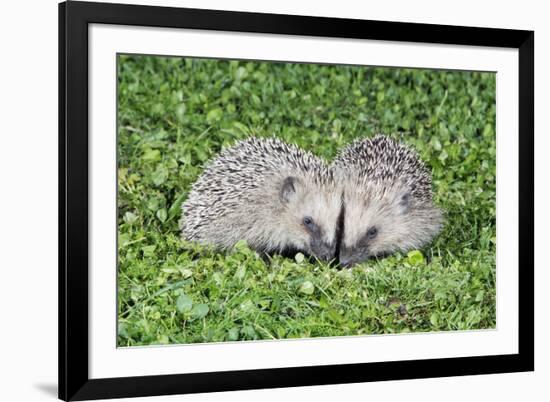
point(176, 113)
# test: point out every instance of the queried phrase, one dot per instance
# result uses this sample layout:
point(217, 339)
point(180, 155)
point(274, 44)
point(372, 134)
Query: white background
point(28, 202)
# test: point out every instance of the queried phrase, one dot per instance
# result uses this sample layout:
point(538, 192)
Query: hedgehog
point(275, 196)
point(388, 206)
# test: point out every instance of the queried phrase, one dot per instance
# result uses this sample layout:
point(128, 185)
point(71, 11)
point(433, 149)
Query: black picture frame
point(74, 18)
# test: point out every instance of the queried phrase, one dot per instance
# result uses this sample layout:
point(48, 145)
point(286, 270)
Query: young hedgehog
point(277, 197)
point(388, 203)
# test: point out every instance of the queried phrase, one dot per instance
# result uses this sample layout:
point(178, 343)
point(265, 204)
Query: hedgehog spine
point(274, 195)
point(387, 200)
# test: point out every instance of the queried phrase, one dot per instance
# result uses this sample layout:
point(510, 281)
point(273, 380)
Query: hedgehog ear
point(405, 202)
point(288, 189)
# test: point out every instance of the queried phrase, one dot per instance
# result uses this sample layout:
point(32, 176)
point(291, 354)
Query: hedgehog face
point(310, 217)
point(382, 219)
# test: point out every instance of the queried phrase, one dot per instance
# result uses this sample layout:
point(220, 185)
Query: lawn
point(176, 113)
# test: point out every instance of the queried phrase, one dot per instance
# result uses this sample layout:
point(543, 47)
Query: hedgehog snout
point(326, 253)
point(345, 258)
point(346, 262)
point(322, 250)
point(349, 256)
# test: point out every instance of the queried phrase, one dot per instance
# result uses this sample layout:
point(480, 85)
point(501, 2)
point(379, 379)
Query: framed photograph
point(257, 200)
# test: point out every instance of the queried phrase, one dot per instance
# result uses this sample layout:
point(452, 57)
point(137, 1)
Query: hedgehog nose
point(326, 253)
point(345, 262)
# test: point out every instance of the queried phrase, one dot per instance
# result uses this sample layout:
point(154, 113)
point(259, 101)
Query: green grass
point(175, 113)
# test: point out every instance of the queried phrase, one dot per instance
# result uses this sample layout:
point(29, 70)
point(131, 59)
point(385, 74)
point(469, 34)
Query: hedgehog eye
point(308, 222)
point(372, 232)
